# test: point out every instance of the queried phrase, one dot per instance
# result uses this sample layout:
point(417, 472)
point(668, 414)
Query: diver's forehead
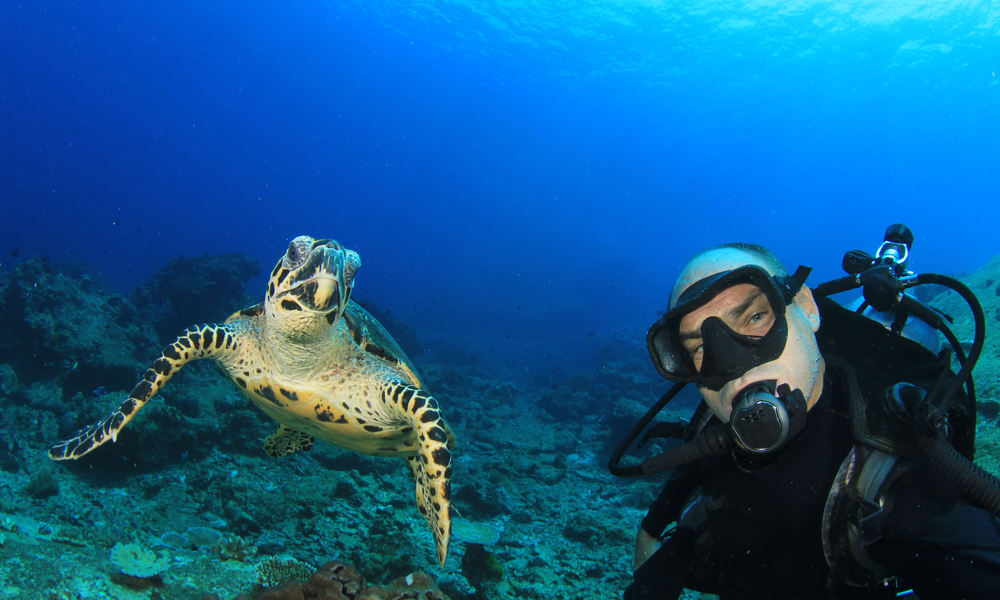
point(710, 263)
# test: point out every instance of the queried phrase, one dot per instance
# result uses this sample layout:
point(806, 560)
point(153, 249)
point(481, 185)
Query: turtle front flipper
point(432, 465)
point(200, 341)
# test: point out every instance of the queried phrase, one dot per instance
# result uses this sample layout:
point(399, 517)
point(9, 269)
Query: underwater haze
point(517, 173)
point(522, 180)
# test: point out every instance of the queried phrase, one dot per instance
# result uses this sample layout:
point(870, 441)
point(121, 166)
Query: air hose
point(614, 465)
point(712, 442)
point(977, 486)
point(979, 337)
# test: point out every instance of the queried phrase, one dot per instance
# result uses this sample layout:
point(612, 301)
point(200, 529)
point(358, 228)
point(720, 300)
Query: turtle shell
point(373, 339)
point(251, 311)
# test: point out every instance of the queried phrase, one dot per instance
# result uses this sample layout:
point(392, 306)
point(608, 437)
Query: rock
point(202, 289)
point(59, 323)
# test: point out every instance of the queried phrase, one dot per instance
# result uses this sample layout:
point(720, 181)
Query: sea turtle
point(322, 367)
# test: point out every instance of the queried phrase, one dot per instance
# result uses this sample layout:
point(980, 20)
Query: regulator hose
point(614, 465)
point(979, 337)
point(712, 442)
point(977, 486)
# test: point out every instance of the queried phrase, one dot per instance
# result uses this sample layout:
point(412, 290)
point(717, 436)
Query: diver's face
point(746, 310)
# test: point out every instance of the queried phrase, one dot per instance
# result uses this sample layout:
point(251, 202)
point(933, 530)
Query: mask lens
point(733, 315)
point(744, 308)
point(740, 331)
point(747, 310)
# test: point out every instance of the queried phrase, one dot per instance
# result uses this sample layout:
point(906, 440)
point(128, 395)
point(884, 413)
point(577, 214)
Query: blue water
point(514, 175)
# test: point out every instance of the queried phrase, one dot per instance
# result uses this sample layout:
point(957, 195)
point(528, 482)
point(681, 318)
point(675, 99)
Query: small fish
point(15, 252)
point(590, 334)
point(100, 391)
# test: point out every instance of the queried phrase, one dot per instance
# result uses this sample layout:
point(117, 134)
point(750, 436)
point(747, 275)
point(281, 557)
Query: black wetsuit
point(762, 535)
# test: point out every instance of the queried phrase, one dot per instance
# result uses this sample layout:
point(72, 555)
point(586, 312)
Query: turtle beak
point(328, 288)
point(329, 292)
point(325, 288)
point(323, 280)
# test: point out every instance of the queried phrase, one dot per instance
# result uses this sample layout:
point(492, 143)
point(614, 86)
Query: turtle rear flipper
point(285, 441)
point(200, 341)
point(432, 465)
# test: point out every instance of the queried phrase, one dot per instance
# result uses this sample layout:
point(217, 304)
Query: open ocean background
point(514, 175)
point(523, 181)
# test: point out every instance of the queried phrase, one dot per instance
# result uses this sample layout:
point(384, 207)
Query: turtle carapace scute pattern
point(322, 367)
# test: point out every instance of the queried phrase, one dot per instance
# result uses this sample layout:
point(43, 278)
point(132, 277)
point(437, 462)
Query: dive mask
point(751, 334)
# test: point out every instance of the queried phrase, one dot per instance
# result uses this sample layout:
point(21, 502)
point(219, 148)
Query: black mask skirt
point(727, 354)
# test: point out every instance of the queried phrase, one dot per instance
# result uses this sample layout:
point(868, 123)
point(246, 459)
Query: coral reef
point(275, 570)
point(232, 547)
point(201, 289)
point(43, 484)
point(338, 581)
point(58, 323)
point(480, 566)
point(985, 284)
point(189, 480)
point(417, 585)
point(474, 533)
point(135, 561)
point(622, 371)
point(10, 454)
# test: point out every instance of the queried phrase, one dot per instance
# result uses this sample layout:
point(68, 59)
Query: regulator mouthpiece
point(765, 419)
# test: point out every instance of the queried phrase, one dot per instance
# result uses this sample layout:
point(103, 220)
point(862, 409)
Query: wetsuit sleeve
point(667, 506)
point(941, 547)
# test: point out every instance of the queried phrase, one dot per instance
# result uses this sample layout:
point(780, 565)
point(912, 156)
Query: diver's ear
point(805, 301)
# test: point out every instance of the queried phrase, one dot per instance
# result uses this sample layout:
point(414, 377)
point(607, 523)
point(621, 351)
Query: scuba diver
point(831, 455)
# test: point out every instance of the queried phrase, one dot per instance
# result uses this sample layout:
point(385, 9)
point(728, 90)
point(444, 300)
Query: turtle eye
point(292, 257)
point(352, 262)
point(298, 250)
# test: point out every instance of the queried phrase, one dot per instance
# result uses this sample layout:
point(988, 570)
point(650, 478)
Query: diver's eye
point(697, 356)
point(758, 323)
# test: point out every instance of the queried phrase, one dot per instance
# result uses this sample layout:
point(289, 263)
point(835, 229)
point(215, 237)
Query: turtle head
point(313, 279)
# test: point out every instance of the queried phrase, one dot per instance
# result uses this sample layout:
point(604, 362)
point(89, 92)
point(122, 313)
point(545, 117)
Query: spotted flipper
point(432, 465)
point(287, 441)
point(200, 341)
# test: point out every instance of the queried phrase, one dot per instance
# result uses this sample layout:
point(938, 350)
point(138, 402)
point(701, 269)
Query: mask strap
point(790, 285)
